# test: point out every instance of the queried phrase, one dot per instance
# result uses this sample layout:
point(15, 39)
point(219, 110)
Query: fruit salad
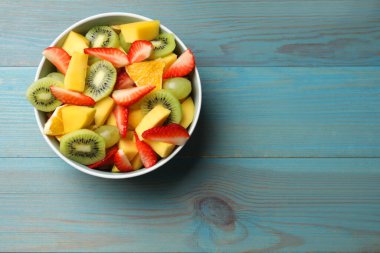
point(119, 99)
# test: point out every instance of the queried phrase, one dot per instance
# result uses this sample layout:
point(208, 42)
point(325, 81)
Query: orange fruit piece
point(169, 60)
point(147, 73)
point(54, 125)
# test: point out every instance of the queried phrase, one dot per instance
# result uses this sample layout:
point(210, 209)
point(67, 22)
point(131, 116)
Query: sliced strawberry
point(59, 57)
point(140, 50)
point(126, 97)
point(108, 160)
point(121, 115)
point(147, 155)
point(123, 81)
point(71, 97)
point(121, 161)
point(182, 66)
point(115, 56)
point(172, 133)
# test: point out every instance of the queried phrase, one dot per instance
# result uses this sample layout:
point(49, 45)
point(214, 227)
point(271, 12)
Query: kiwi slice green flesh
point(166, 99)
point(83, 146)
point(102, 36)
point(125, 45)
point(100, 80)
point(163, 44)
point(40, 96)
point(57, 75)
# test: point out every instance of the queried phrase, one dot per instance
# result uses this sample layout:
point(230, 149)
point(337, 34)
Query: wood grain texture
point(193, 205)
point(247, 112)
point(221, 33)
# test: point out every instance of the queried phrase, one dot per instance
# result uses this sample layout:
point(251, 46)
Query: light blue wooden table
point(286, 156)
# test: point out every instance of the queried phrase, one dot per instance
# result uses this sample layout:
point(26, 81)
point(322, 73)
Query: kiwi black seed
point(163, 44)
point(166, 99)
point(40, 96)
point(57, 75)
point(102, 36)
point(100, 80)
point(83, 146)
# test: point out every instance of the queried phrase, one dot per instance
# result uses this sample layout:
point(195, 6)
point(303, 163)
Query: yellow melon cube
point(136, 163)
point(128, 145)
point(187, 112)
point(103, 108)
point(77, 117)
point(134, 118)
point(111, 120)
point(161, 148)
point(155, 117)
point(76, 73)
point(143, 30)
point(75, 42)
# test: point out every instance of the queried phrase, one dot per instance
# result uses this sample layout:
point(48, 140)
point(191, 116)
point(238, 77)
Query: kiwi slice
point(40, 96)
point(57, 75)
point(166, 99)
point(100, 80)
point(102, 36)
point(163, 44)
point(124, 45)
point(83, 146)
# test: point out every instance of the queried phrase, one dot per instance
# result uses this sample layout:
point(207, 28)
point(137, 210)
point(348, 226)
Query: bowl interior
point(45, 67)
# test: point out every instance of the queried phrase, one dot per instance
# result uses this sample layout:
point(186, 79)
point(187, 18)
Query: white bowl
point(113, 18)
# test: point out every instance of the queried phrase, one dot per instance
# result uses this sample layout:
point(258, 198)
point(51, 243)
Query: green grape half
point(109, 133)
point(178, 86)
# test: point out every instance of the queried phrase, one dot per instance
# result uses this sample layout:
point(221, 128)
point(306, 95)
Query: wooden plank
point(236, 33)
point(247, 112)
point(193, 205)
point(18, 126)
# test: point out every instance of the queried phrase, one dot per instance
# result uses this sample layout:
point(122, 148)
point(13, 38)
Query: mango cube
point(77, 117)
point(168, 60)
point(155, 117)
point(111, 120)
point(143, 30)
point(116, 28)
point(187, 112)
point(115, 169)
point(76, 73)
point(161, 148)
point(103, 110)
point(136, 162)
point(128, 145)
point(75, 42)
point(134, 118)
